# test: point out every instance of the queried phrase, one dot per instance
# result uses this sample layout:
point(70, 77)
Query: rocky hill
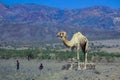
point(31, 22)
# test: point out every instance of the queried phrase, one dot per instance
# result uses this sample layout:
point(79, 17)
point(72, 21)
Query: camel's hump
point(79, 33)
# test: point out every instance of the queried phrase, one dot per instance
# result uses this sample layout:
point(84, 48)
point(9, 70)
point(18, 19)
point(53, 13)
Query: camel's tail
point(86, 47)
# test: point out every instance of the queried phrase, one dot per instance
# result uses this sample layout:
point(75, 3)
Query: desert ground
point(29, 70)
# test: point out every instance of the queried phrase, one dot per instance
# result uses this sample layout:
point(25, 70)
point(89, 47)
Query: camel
point(78, 41)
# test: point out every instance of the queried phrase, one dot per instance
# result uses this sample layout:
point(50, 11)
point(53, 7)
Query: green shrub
point(46, 54)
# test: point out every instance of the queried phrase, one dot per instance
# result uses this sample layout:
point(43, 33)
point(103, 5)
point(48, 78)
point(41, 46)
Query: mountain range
point(31, 22)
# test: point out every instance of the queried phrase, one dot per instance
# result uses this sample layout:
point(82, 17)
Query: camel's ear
point(65, 34)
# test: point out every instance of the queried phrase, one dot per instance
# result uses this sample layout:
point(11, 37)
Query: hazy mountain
point(31, 22)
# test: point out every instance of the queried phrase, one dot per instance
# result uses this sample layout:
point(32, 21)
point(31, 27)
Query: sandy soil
point(29, 70)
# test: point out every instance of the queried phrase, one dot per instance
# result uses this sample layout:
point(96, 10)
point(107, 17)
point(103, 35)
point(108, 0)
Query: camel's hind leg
point(85, 61)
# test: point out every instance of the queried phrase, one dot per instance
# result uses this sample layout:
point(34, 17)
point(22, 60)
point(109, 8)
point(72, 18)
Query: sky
point(69, 4)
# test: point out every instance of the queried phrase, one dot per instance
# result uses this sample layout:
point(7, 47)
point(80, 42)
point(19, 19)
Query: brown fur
point(77, 38)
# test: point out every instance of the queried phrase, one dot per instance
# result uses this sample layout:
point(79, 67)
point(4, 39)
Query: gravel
point(29, 70)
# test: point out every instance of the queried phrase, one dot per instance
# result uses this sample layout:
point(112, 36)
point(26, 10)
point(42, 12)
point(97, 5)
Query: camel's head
point(61, 34)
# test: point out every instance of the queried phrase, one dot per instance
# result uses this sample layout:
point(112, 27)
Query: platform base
point(90, 66)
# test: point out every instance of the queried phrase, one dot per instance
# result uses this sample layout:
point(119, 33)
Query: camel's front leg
point(78, 59)
point(85, 60)
point(72, 60)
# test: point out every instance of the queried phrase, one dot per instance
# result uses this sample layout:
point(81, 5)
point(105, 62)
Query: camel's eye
point(62, 34)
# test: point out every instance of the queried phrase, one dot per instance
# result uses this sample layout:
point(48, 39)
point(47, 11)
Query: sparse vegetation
point(51, 54)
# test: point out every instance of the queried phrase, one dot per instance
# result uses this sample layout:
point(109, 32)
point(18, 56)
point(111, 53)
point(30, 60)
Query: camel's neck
point(67, 43)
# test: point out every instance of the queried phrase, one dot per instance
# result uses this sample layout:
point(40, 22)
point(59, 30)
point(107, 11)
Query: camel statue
point(78, 41)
